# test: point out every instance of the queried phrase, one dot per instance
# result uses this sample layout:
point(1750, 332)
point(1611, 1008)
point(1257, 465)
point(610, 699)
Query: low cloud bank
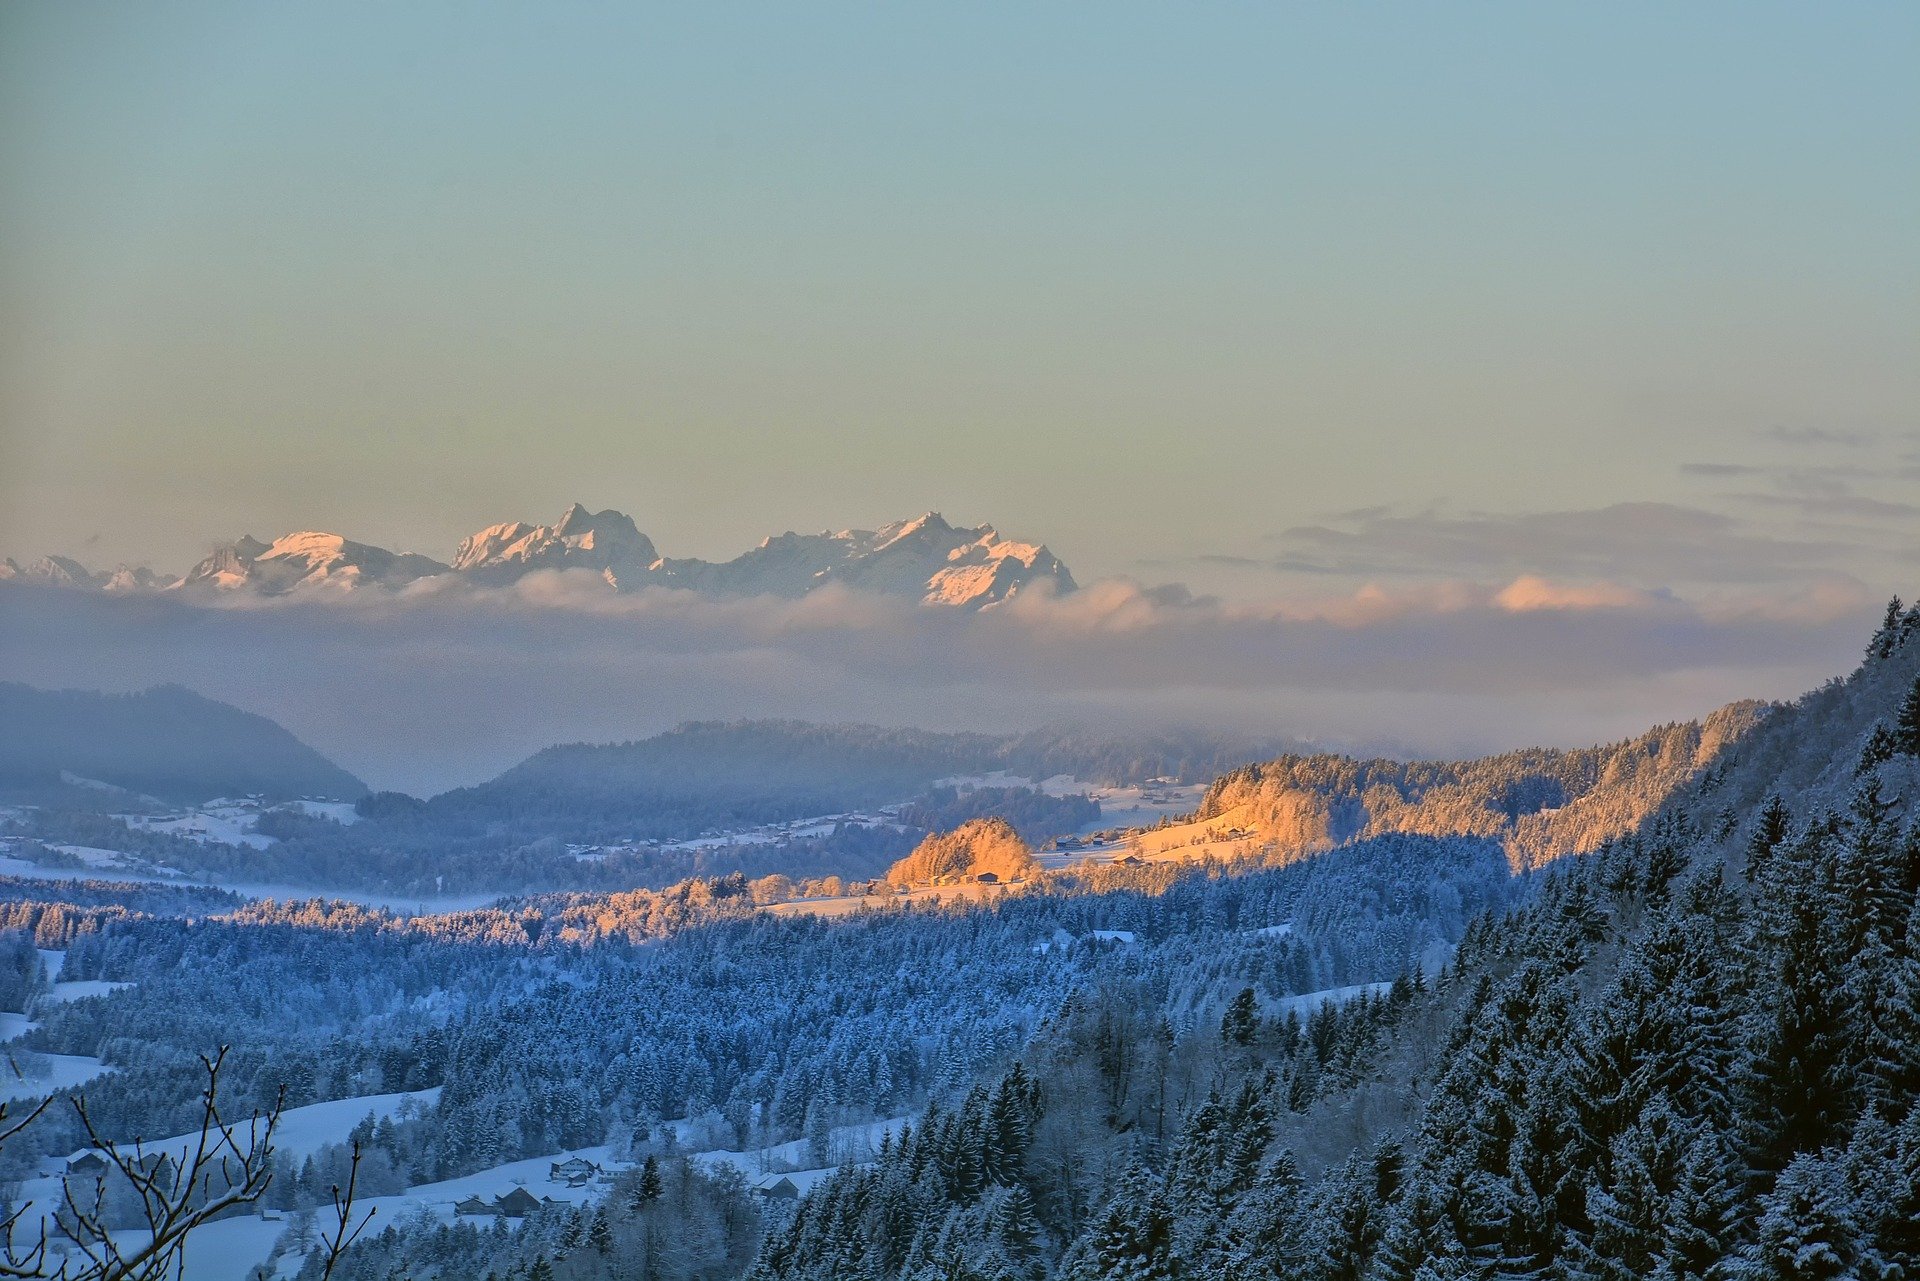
point(445, 684)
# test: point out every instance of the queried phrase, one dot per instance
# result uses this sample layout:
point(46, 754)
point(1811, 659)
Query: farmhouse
point(575, 1171)
point(777, 1187)
point(517, 1204)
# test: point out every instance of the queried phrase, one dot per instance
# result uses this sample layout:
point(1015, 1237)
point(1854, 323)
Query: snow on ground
point(341, 812)
point(91, 855)
point(80, 989)
point(54, 961)
point(72, 779)
point(34, 1074)
point(855, 1144)
point(1132, 806)
point(800, 829)
point(305, 1130)
point(233, 822)
point(224, 1251)
point(21, 868)
point(847, 904)
point(402, 903)
point(21, 1077)
point(217, 824)
point(1307, 1002)
point(1137, 806)
point(1225, 836)
point(229, 1249)
point(437, 1199)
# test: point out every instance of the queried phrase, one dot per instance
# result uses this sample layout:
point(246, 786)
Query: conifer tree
point(1242, 1019)
point(1768, 834)
point(1807, 1229)
point(1016, 1224)
point(1881, 746)
point(1888, 637)
point(648, 1187)
point(1133, 1238)
point(1906, 729)
point(1799, 1090)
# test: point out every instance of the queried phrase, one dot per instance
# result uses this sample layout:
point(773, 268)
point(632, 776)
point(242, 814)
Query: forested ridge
point(1541, 803)
point(1695, 1054)
point(167, 742)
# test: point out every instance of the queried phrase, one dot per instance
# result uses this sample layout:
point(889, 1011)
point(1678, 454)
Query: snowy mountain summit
point(307, 560)
point(925, 558)
point(605, 542)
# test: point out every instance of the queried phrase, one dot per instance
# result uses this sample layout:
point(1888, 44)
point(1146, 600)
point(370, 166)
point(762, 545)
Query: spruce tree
point(1888, 637)
point(1807, 1229)
point(1799, 1089)
point(1772, 829)
point(1881, 746)
point(1906, 729)
point(647, 1189)
point(1349, 1220)
point(1133, 1238)
point(1016, 1224)
point(1242, 1019)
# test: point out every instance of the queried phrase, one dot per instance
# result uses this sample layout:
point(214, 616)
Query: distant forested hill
point(1541, 803)
point(711, 774)
point(166, 742)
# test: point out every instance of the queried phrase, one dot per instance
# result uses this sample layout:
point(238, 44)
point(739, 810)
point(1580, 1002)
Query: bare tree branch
point(223, 1167)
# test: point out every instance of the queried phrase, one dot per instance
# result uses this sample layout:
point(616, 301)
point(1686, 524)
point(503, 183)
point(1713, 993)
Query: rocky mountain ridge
point(925, 558)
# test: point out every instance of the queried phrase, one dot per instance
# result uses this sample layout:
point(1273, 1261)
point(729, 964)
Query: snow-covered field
point(33, 1074)
point(229, 1249)
point(341, 812)
point(216, 824)
point(847, 904)
point(80, 989)
point(1134, 806)
point(845, 1143)
point(404, 904)
point(226, 1251)
point(1307, 1002)
point(800, 829)
point(305, 1130)
point(91, 855)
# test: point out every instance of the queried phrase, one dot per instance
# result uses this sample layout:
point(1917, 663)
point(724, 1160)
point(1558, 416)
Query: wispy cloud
point(1831, 437)
point(1721, 469)
point(1648, 543)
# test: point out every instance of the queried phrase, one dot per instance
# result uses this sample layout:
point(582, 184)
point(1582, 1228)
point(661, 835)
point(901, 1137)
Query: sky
point(1299, 306)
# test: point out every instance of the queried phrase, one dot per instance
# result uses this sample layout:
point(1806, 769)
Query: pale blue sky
point(1149, 283)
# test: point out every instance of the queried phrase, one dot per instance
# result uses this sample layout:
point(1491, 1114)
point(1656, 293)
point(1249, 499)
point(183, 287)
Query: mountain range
point(925, 558)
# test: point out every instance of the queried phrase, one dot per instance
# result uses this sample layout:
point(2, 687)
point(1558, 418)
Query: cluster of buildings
point(574, 1172)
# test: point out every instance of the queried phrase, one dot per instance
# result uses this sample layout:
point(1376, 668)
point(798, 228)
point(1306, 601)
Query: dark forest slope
point(166, 742)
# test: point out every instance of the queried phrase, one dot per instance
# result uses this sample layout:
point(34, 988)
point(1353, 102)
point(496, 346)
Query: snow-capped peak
point(607, 542)
point(925, 558)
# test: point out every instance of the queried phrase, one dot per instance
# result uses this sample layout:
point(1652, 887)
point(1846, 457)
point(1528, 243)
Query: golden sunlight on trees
point(983, 848)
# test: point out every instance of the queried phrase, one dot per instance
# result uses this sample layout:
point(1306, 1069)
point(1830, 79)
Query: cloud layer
point(447, 684)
